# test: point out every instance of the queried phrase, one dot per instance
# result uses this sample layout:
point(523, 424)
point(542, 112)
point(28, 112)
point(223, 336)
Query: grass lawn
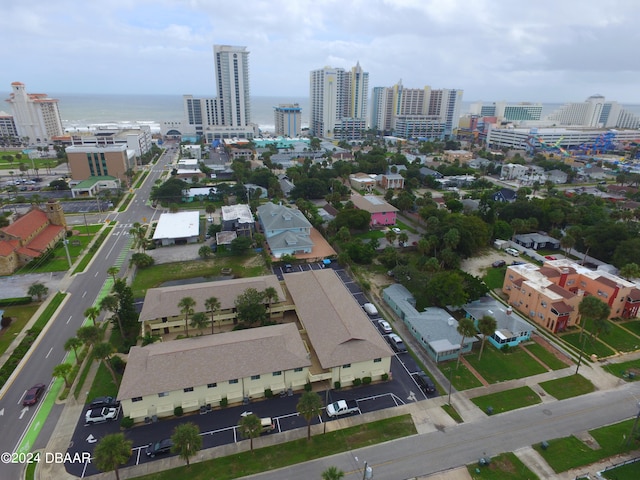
point(245, 266)
point(21, 315)
point(621, 370)
point(590, 347)
point(496, 366)
point(290, 453)
point(495, 277)
point(508, 400)
point(630, 471)
point(506, 466)
point(617, 337)
point(403, 226)
point(82, 264)
point(461, 377)
point(77, 244)
point(103, 384)
point(568, 387)
point(632, 326)
point(549, 359)
point(453, 413)
point(569, 452)
point(371, 234)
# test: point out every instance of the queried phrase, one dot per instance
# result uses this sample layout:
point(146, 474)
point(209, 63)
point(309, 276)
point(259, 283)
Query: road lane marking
point(70, 316)
point(50, 350)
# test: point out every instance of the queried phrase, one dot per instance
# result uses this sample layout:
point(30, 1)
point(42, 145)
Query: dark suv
point(158, 448)
point(104, 402)
point(425, 383)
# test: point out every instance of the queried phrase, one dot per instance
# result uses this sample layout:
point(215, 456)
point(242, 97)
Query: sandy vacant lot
point(482, 262)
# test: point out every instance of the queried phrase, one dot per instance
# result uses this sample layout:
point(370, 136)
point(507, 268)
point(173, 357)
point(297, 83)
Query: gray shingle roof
point(279, 217)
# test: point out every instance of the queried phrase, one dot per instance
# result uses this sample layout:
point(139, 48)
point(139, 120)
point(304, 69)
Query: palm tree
point(466, 328)
point(486, 326)
point(62, 371)
point(332, 473)
point(212, 304)
point(113, 271)
point(73, 343)
point(390, 236)
point(199, 320)
point(89, 335)
point(111, 304)
point(186, 440)
point(38, 290)
point(595, 309)
point(186, 305)
point(103, 351)
point(309, 406)
point(112, 451)
point(250, 426)
point(270, 294)
point(92, 313)
point(139, 233)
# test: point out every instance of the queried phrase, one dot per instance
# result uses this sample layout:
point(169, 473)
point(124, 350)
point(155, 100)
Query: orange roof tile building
point(31, 236)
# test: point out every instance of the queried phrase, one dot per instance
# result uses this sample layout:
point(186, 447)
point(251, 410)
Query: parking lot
point(219, 426)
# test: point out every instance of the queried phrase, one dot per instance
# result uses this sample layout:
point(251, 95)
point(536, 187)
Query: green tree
point(467, 329)
point(38, 290)
point(594, 309)
point(73, 343)
point(250, 306)
point(92, 313)
point(204, 252)
point(309, 406)
point(212, 304)
point(186, 305)
point(113, 271)
point(62, 371)
point(390, 236)
point(270, 294)
point(629, 271)
point(486, 326)
point(112, 451)
point(141, 260)
point(110, 304)
point(240, 245)
point(332, 473)
point(250, 427)
point(139, 234)
point(186, 440)
point(199, 320)
point(89, 335)
point(103, 351)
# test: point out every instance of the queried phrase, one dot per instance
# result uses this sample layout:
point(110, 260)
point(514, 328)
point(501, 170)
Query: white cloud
point(547, 50)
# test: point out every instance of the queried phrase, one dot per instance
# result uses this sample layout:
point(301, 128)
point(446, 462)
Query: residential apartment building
point(550, 295)
point(512, 112)
point(8, 128)
point(288, 120)
point(229, 114)
point(36, 115)
point(596, 112)
point(287, 230)
point(339, 102)
point(415, 112)
point(138, 138)
point(382, 213)
point(92, 161)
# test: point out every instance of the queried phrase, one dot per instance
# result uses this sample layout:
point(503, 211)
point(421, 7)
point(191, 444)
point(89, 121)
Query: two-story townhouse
point(287, 230)
point(382, 213)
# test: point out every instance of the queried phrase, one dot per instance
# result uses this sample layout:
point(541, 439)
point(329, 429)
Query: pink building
point(381, 212)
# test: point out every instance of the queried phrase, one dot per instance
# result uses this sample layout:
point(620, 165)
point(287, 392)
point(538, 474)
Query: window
point(136, 399)
point(163, 394)
point(188, 389)
point(377, 360)
point(278, 373)
point(544, 304)
point(212, 385)
point(299, 369)
point(255, 377)
point(234, 381)
point(603, 294)
point(346, 365)
point(570, 282)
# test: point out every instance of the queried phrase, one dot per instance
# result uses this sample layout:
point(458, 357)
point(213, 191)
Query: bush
point(7, 302)
point(178, 411)
point(337, 385)
point(357, 382)
point(224, 402)
point(307, 387)
point(5, 322)
point(126, 422)
point(385, 377)
point(118, 364)
point(366, 380)
point(268, 393)
point(505, 348)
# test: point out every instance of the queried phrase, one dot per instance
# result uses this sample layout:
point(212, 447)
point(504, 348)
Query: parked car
point(550, 257)
point(512, 251)
point(498, 264)
point(33, 395)
point(158, 448)
point(425, 383)
point(396, 230)
point(396, 343)
point(98, 415)
point(384, 326)
point(104, 402)
point(342, 407)
point(371, 309)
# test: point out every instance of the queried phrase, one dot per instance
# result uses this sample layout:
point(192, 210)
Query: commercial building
point(324, 337)
point(287, 119)
point(550, 295)
point(177, 228)
point(100, 161)
point(8, 128)
point(512, 112)
point(137, 138)
point(239, 219)
point(339, 102)
point(30, 236)
point(595, 112)
point(36, 115)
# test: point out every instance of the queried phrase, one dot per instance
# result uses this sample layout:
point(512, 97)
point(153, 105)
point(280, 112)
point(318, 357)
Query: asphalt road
point(82, 292)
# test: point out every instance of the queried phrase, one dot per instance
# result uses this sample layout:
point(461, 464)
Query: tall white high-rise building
point(446, 104)
point(36, 115)
point(229, 114)
point(594, 112)
point(338, 101)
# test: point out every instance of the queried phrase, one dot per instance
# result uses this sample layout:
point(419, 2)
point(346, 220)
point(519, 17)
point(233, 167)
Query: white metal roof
point(177, 225)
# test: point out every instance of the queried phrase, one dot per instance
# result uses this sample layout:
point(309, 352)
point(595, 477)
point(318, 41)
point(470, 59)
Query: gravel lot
point(482, 262)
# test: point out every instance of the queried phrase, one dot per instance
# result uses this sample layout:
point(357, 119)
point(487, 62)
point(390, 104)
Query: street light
point(450, 373)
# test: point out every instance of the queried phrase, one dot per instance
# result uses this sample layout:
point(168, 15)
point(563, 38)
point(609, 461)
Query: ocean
point(79, 112)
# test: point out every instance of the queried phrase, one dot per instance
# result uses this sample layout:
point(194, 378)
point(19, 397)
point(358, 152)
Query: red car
point(33, 394)
point(550, 257)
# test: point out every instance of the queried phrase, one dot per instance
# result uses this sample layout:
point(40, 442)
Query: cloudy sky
point(515, 50)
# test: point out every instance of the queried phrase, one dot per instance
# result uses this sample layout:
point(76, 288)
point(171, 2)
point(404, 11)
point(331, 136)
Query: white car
point(396, 230)
point(512, 251)
point(384, 326)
